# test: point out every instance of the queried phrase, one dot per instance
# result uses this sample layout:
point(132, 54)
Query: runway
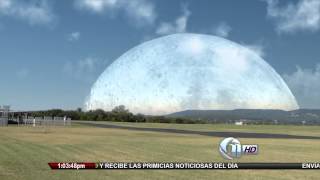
point(204, 133)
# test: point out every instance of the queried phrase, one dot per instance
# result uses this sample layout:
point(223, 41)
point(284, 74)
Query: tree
point(79, 109)
point(120, 109)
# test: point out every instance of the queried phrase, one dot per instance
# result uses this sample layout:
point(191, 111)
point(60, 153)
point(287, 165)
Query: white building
point(238, 123)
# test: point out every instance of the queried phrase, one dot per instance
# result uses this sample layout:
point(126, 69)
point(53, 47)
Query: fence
point(3, 121)
point(45, 121)
point(4, 114)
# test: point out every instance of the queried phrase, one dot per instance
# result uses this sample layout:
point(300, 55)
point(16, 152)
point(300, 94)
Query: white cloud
point(305, 85)
point(305, 15)
point(74, 36)
point(141, 11)
point(257, 48)
point(85, 69)
point(178, 26)
point(222, 29)
point(34, 12)
point(97, 5)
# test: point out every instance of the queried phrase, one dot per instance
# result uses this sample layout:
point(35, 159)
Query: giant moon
point(189, 71)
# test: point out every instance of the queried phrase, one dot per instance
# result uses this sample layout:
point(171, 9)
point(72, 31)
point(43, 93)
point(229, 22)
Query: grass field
point(25, 151)
point(279, 129)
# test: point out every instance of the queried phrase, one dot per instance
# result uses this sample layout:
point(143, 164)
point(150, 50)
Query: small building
point(238, 123)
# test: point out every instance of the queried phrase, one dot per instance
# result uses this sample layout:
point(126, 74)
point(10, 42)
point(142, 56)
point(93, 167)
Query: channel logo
point(231, 148)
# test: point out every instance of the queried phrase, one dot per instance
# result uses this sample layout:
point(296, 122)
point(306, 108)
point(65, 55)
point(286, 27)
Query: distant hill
point(310, 116)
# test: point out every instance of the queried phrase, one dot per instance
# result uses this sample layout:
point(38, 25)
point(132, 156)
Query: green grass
point(25, 152)
point(279, 129)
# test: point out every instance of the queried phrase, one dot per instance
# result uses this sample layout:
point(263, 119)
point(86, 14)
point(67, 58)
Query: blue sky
point(51, 52)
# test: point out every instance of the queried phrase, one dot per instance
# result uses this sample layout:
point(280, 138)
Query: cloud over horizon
point(304, 84)
point(22, 73)
point(86, 70)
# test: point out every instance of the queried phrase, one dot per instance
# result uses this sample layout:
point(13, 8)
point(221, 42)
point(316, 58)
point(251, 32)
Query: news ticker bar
point(178, 165)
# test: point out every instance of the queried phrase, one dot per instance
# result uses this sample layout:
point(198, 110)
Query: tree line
point(118, 114)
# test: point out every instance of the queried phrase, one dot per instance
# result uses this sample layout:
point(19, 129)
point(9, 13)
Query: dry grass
point(25, 152)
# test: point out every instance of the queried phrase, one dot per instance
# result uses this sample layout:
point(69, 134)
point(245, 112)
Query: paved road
point(204, 133)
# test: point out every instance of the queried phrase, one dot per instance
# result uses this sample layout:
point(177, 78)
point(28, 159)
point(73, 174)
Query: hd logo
point(231, 148)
